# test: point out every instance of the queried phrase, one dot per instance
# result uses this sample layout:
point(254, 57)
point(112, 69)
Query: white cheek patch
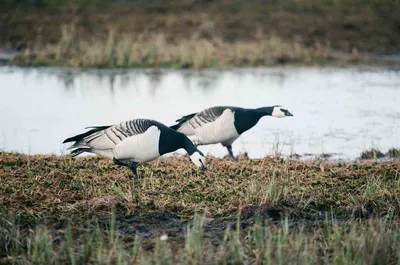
point(196, 157)
point(278, 113)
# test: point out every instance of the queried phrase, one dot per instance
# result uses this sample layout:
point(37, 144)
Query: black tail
point(83, 135)
point(79, 151)
point(182, 121)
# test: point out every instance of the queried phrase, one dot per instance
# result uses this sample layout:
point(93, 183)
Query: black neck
point(247, 118)
point(171, 140)
point(188, 145)
point(264, 111)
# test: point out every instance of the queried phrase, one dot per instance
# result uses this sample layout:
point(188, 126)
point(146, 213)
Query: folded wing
point(102, 139)
point(189, 123)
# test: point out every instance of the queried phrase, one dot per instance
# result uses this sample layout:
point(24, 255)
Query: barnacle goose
point(135, 141)
point(224, 124)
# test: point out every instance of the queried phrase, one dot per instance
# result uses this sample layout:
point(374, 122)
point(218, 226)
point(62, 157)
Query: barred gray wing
point(207, 116)
point(132, 127)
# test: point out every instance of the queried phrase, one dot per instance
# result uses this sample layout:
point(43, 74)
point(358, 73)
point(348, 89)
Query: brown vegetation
point(201, 33)
point(63, 185)
point(78, 210)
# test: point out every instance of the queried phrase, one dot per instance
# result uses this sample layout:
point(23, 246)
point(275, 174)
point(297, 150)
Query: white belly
point(139, 148)
point(222, 130)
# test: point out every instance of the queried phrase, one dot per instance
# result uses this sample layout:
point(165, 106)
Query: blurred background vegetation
point(198, 33)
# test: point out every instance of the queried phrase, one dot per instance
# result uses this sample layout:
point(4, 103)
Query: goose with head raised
point(224, 124)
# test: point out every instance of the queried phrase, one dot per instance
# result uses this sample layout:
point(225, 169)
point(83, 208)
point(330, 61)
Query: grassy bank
point(362, 242)
point(79, 210)
point(64, 185)
point(198, 34)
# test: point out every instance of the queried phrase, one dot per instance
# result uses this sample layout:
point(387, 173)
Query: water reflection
point(336, 110)
point(206, 80)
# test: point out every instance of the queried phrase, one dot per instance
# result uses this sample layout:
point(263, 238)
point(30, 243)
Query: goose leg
point(132, 166)
point(135, 187)
point(229, 147)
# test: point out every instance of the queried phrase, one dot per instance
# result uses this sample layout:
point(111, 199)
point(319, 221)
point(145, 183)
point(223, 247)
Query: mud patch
point(149, 225)
point(156, 223)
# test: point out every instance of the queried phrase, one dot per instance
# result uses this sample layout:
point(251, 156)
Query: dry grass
point(198, 34)
point(64, 185)
point(153, 50)
point(58, 210)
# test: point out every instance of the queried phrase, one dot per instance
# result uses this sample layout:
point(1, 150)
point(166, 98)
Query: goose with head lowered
point(224, 124)
point(135, 141)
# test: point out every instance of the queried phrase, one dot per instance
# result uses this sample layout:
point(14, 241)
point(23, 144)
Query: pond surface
point(336, 110)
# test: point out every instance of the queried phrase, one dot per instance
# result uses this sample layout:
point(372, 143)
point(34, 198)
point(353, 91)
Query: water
point(340, 111)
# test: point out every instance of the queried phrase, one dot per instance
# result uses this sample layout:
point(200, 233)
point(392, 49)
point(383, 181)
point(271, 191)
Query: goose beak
point(203, 169)
point(289, 114)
